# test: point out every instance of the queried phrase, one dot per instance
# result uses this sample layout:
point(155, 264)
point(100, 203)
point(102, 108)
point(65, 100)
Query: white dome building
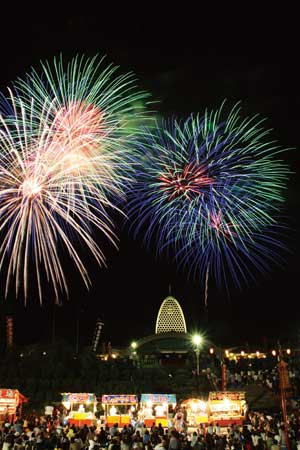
point(171, 343)
point(170, 317)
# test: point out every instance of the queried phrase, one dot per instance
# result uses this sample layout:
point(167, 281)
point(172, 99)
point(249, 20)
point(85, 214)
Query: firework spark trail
point(65, 157)
point(188, 181)
point(226, 249)
point(87, 97)
point(94, 113)
point(44, 198)
point(206, 286)
point(210, 191)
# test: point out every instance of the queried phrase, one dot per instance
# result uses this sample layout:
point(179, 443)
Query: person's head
point(115, 445)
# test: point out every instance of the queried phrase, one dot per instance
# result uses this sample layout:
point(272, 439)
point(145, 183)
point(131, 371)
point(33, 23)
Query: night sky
point(186, 71)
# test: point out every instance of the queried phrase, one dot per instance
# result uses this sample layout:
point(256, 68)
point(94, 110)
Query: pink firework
point(188, 181)
point(78, 129)
point(80, 121)
point(222, 228)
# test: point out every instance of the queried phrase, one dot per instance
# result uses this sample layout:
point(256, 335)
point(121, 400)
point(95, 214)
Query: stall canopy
point(81, 407)
point(120, 399)
point(231, 395)
point(158, 398)
point(196, 410)
point(227, 407)
point(78, 397)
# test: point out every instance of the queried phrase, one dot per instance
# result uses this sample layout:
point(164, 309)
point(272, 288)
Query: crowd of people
point(258, 432)
point(243, 372)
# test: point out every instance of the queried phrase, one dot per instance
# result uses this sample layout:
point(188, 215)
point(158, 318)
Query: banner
point(9, 400)
point(78, 397)
point(224, 381)
point(230, 395)
point(284, 378)
point(120, 399)
point(9, 331)
point(158, 398)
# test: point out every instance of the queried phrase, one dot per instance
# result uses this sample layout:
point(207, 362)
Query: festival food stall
point(227, 407)
point(196, 411)
point(119, 409)
point(11, 401)
point(154, 408)
point(81, 408)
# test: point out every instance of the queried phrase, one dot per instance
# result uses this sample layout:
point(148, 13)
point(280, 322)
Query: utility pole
point(284, 385)
point(53, 323)
point(77, 331)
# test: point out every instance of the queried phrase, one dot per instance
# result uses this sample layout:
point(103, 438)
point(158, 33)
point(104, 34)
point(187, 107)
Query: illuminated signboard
point(120, 399)
point(78, 397)
point(158, 398)
point(8, 395)
point(220, 407)
point(9, 399)
point(229, 395)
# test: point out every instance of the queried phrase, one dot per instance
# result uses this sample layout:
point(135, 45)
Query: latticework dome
point(170, 317)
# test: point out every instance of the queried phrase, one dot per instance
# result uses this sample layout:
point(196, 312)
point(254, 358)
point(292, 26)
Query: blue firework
point(209, 190)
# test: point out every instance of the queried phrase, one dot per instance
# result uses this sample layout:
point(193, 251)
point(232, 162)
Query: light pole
point(133, 346)
point(197, 341)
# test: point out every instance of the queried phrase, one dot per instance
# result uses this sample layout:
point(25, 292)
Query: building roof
point(165, 343)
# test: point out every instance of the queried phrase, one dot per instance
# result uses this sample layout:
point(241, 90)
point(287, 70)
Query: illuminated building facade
point(171, 344)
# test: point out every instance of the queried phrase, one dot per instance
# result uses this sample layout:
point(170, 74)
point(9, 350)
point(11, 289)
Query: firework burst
point(210, 189)
point(48, 191)
point(86, 98)
point(94, 114)
point(65, 157)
